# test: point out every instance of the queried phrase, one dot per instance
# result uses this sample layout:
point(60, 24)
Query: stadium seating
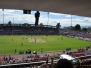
point(27, 30)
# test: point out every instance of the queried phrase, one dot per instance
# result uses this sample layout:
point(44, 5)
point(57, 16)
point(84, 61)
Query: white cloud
point(56, 14)
point(89, 20)
point(9, 11)
point(11, 15)
point(69, 16)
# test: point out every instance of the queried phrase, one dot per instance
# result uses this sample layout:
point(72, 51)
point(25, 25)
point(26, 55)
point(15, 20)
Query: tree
point(58, 25)
point(84, 29)
point(71, 27)
point(9, 23)
point(41, 24)
point(25, 24)
point(77, 27)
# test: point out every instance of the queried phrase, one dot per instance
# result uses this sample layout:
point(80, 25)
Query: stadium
point(41, 46)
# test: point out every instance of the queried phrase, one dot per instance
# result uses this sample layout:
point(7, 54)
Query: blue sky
point(17, 16)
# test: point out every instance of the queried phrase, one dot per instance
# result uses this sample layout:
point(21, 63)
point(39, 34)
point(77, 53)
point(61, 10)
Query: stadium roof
point(74, 7)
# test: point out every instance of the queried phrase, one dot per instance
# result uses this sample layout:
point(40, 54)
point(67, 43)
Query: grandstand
point(29, 29)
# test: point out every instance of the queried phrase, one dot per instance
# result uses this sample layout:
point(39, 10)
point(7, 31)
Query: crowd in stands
point(80, 52)
point(27, 30)
point(78, 34)
point(24, 59)
point(34, 57)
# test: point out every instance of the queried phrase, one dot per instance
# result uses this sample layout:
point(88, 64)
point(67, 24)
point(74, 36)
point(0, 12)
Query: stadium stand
point(21, 29)
point(44, 61)
point(81, 35)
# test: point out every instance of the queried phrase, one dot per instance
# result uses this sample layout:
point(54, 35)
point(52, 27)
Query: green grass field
point(8, 43)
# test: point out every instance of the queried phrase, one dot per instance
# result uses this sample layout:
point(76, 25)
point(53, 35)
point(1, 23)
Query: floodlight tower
point(3, 15)
point(71, 21)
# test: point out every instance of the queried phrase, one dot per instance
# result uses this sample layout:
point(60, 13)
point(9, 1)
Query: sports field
point(8, 43)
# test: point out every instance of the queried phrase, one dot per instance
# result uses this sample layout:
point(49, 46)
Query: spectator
point(64, 63)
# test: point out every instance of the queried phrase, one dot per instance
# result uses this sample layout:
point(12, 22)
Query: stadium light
point(13, 20)
point(71, 21)
point(3, 15)
point(48, 19)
